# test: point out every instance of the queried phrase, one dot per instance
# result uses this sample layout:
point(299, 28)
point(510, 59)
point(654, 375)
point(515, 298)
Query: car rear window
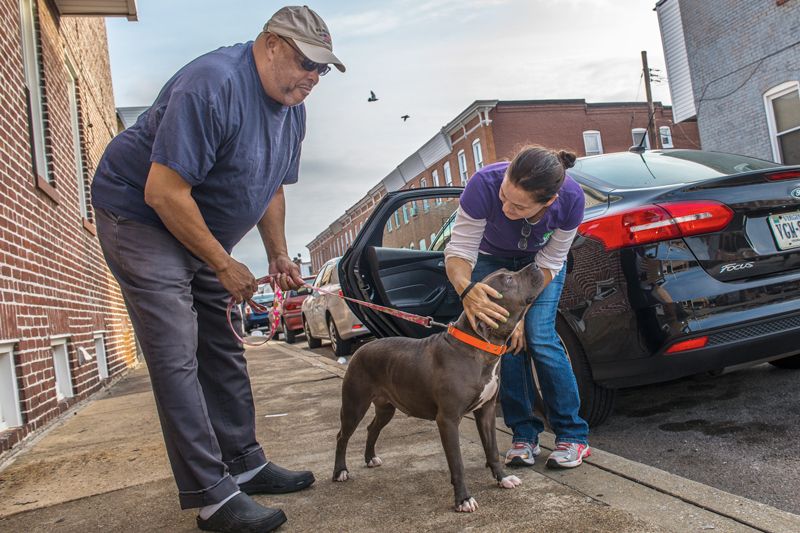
point(628, 170)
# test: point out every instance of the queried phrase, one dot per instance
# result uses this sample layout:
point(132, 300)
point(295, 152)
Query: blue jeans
point(556, 378)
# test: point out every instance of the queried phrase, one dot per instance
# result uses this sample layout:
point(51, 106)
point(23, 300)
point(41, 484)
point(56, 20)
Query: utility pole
point(651, 127)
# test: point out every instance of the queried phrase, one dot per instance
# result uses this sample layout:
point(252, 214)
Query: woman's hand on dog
point(479, 306)
point(516, 343)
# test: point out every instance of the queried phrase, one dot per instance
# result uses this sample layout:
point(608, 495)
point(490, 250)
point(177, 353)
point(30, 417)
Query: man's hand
point(479, 306)
point(238, 280)
point(516, 343)
point(285, 273)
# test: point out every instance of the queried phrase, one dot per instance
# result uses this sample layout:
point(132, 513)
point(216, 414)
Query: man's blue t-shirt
point(214, 125)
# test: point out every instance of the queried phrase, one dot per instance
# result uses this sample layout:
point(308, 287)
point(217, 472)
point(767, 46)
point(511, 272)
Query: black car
point(686, 262)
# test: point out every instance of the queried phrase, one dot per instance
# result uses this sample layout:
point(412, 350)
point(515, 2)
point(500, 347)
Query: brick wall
point(53, 280)
point(561, 125)
point(736, 54)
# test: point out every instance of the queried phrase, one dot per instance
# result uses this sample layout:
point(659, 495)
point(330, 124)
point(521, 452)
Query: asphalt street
point(736, 432)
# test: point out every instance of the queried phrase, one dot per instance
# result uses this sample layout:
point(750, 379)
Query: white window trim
point(634, 142)
point(448, 175)
point(592, 133)
point(76, 137)
point(661, 136)
point(10, 414)
point(62, 391)
point(102, 360)
point(423, 246)
point(462, 166)
point(30, 60)
point(477, 154)
point(769, 96)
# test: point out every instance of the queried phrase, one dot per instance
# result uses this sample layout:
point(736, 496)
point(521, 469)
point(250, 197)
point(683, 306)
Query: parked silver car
point(327, 315)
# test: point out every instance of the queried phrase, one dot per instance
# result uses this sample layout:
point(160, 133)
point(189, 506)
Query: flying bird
point(405, 117)
point(372, 97)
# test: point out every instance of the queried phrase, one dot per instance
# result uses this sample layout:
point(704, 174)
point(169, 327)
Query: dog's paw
point(375, 462)
point(341, 476)
point(467, 506)
point(509, 482)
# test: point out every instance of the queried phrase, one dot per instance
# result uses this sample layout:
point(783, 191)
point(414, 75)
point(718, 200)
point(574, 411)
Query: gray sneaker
point(522, 454)
point(568, 455)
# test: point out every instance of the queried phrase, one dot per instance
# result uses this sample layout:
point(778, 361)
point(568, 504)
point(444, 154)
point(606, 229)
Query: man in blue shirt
point(173, 194)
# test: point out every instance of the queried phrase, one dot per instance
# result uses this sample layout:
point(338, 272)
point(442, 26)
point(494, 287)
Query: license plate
point(786, 230)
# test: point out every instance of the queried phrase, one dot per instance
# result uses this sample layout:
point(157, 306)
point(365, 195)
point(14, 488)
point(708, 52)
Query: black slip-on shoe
point(241, 514)
point(273, 479)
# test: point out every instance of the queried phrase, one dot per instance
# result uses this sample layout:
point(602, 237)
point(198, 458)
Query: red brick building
point(493, 130)
point(64, 330)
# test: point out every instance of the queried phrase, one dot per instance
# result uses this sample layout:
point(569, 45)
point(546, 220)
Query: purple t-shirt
point(481, 200)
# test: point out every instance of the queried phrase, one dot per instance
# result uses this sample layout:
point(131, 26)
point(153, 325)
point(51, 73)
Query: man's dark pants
point(197, 367)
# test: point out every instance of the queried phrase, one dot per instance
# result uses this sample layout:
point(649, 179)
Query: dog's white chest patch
point(490, 388)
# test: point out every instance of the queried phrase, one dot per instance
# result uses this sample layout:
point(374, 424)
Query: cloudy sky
point(427, 58)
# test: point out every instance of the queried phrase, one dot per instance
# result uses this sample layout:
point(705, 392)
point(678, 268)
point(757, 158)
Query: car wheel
point(791, 363)
point(288, 335)
point(340, 346)
point(597, 401)
point(312, 342)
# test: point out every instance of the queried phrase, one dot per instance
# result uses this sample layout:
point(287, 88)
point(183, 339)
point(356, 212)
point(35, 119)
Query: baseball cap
point(307, 30)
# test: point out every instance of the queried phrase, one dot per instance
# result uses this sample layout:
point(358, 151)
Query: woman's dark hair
point(540, 171)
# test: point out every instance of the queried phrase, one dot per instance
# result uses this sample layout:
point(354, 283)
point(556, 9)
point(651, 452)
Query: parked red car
point(291, 319)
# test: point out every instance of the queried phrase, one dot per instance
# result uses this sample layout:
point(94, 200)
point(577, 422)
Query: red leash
point(425, 321)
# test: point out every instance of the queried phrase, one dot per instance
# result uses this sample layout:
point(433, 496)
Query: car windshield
point(627, 170)
point(264, 298)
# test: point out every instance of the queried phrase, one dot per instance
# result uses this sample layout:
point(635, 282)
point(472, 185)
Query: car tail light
point(654, 223)
point(787, 175)
point(691, 344)
point(358, 326)
point(290, 307)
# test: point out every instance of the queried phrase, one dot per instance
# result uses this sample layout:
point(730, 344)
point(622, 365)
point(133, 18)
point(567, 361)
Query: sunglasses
point(306, 63)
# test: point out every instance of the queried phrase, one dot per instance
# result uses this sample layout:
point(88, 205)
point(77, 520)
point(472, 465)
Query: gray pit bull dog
point(437, 378)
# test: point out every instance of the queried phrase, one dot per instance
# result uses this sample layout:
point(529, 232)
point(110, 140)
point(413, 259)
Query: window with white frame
point(433, 236)
point(33, 86)
point(448, 176)
point(425, 204)
point(10, 415)
point(62, 371)
point(422, 245)
point(72, 82)
point(637, 134)
point(462, 167)
point(665, 135)
point(405, 213)
point(100, 355)
point(389, 225)
point(592, 143)
point(435, 178)
point(477, 154)
point(396, 219)
point(783, 118)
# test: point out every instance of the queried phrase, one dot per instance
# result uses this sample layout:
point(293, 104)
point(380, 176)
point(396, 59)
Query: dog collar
point(466, 338)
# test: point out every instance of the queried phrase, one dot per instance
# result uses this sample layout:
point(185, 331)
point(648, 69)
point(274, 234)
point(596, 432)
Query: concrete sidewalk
point(104, 468)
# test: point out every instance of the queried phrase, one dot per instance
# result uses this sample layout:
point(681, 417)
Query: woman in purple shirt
point(512, 214)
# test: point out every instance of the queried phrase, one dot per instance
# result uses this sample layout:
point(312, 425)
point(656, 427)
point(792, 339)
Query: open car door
point(397, 260)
